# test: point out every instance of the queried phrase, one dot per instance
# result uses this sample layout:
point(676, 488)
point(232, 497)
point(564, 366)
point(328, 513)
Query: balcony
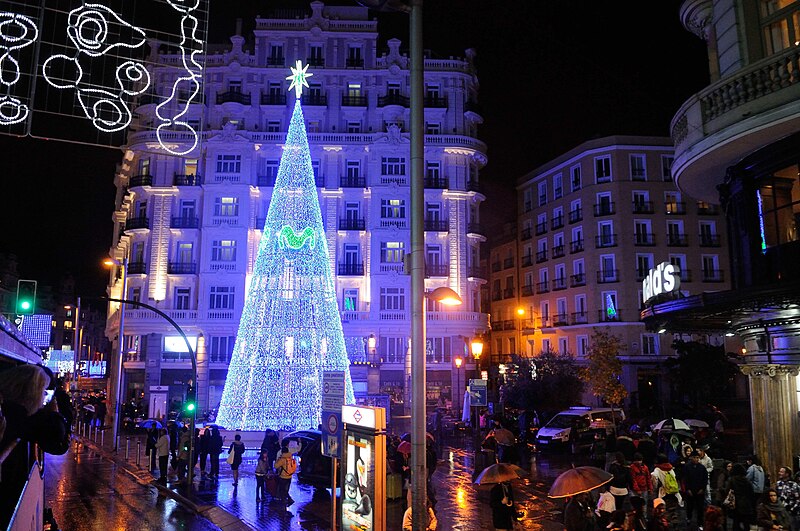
point(437, 270)
point(475, 228)
point(609, 316)
point(182, 268)
point(266, 180)
point(709, 240)
point(527, 207)
point(137, 268)
point(233, 96)
point(686, 275)
point(137, 223)
point(399, 180)
point(526, 291)
point(397, 223)
point(526, 234)
point(605, 240)
point(352, 224)
point(353, 270)
point(435, 183)
point(543, 287)
point(713, 275)
point(497, 266)
point(580, 318)
point(182, 179)
point(575, 215)
point(646, 239)
point(526, 260)
point(643, 207)
point(706, 209)
point(315, 61)
point(508, 293)
point(273, 99)
point(541, 228)
point(557, 222)
point(604, 209)
point(561, 319)
point(578, 279)
point(354, 62)
point(276, 61)
point(559, 283)
point(558, 251)
point(476, 272)
point(675, 207)
point(184, 222)
point(497, 296)
point(508, 263)
point(437, 225)
point(354, 101)
point(435, 102)
point(393, 99)
point(314, 100)
point(575, 246)
point(606, 276)
point(352, 181)
point(474, 186)
point(140, 180)
point(677, 240)
point(541, 256)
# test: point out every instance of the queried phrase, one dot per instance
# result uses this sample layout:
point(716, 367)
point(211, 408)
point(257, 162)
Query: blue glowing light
point(611, 309)
point(290, 330)
point(761, 222)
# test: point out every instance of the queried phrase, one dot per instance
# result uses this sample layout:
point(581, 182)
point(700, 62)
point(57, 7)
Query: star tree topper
point(298, 78)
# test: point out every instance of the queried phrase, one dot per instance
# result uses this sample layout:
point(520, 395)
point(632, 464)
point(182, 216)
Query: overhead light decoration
point(761, 222)
point(290, 330)
point(16, 32)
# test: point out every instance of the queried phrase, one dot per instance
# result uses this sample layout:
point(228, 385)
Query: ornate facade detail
point(769, 370)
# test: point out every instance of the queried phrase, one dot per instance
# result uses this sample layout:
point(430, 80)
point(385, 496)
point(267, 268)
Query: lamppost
point(477, 349)
point(117, 391)
point(520, 315)
point(458, 396)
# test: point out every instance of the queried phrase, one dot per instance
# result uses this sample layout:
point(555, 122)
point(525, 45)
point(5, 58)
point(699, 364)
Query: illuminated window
point(393, 208)
point(392, 252)
point(223, 251)
point(393, 166)
point(221, 298)
point(602, 169)
point(393, 299)
point(226, 206)
point(229, 163)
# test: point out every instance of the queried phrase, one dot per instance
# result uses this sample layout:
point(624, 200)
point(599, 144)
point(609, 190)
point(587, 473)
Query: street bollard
point(116, 446)
point(102, 437)
point(138, 452)
point(127, 447)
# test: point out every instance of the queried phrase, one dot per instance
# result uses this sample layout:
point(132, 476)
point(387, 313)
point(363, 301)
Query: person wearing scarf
point(771, 514)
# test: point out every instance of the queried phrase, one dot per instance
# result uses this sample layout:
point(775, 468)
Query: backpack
point(291, 466)
point(670, 483)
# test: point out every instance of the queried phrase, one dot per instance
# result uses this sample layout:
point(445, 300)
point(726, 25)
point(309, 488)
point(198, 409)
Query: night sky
point(553, 74)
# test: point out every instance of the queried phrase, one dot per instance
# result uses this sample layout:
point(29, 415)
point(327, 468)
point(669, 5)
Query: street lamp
point(110, 262)
point(520, 314)
point(459, 401)
point(477, 349)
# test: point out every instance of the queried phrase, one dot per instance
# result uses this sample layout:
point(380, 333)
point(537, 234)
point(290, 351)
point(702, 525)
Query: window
point(710, 264)
point(235, 85)
point(182, 298)
point(610, 309)
point(275, 90)
point(672, 201)
point(141, 209)
point(315, 168)
point(393, 349)
point(433, 211)
point(188, 208)
point(577, 267)
point(393, 298)
point(558, 188)
point(638, 168)
point(542, 193)
point(605, 234)
point(778, 208)
point(190, 166)
point(220, 348)
point(527, 199)
point(352, 253)
point(546, 345)
point(276, 52)
point(433, 170)
point(666, 167)
point(392, 252)
point(137, 253)
point(432, 92)
point(354, 89)
point(353, 127)
point(271, 170)
point(184, 252)
point(144, 167)
point(393, 208)
point(642, 232)
point(221, 298)
point(433, 128)
point(602, 169)
point(353, 168)
point(644, 263)
point(229, 163)
point(350, 299)
point(354, 56)
point(583, 345)
point(650, 344)
point(352, 210)
point(563, 345)
point(136, 294)
point(641, 202)
point(580, 305)
point(315, 56)
point(393, 166)
point(780, 22)
point(226, 206)
point(608, 271)
point(223, 251)
point(675, 235)
point(437, 350)
point(274, 126)
point(679, 261)
point(575, 178)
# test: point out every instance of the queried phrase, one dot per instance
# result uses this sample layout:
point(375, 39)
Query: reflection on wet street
point(87, 492)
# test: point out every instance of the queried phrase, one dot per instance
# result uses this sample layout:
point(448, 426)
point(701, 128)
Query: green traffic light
point(25, 305)
point(189, 407)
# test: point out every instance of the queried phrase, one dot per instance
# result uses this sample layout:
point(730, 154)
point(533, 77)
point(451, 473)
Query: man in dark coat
point(578, 515)
point(695, 480)
point(501, 500)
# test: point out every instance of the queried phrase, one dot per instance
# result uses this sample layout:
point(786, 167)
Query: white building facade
point(190, 226)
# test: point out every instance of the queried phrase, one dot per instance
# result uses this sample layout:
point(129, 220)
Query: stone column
point(773, 406)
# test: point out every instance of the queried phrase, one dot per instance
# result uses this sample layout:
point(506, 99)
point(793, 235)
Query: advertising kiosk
point(363, 469)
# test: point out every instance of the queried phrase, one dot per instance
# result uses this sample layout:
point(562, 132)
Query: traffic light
point(26, 297)
point(190, 404)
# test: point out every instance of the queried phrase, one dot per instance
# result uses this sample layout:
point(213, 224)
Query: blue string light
point(290, 330)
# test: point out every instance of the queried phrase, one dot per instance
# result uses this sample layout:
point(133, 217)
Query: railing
point(541, 256)
point(356, 62)
point(474, 186)
point(558, 251)
point(137, 268)
point(182, 179)
point(354, 101)
point(393, 222)
point(219, 314)
point(496, 266)
point(644, 238)
point(437, 225)
point(557, 222)
point(230, 177)
point(474, 228)
point(141, 314)
point(709, 240)
point(351, 269)
point(352, 224)
point(435, 102)
point(526, 260)
point(541, 228)
point(561, 319)
point(386, 315)
point(542, 287)
point(316, 100)
point(605, 240)
point(140, 180)
point(476, 272)
point(606, 316)
point(471, 106)
point(508, 293)
point(643, 207)
point(182, 268)
point(276, 61)
point(526, 291)
point(575, 215)
point(233, 96)
point(675, 207)
point(184, 222)
point(399, 180)
point(559, 283)
point(273, 99)
point(348, 315)
point(391, 267)
point(707, 210)
point(266, 180)
point(137, 223)
point(580, 318)
point(526, 234)
point(315, 61)
point(575, 246)
point(508, 263)
point(349, 181)
point(222, 266)
point(260, 222)
point(713, 275)
point(393, 99)
point(437, 270)
point(686, 275)
point(456, 316)
point(677, 240)
point(606, 276)
point(604, 209)
point(578, 279)
point(436, 183)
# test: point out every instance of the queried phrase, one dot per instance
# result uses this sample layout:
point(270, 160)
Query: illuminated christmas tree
point(290, 330)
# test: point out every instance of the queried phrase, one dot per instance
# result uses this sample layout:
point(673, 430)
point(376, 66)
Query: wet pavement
point(462, 506)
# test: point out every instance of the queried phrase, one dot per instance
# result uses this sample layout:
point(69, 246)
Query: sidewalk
point(461, 505)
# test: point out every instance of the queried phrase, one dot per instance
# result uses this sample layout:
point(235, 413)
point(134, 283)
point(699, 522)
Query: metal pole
point(419, 509)
point(120, 349)
point(127, 447)
point(333, 493)
point(76, 349)
point(138, 452)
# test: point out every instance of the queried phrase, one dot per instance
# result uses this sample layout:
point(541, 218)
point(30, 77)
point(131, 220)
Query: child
point(641, 480)
point(262, 467)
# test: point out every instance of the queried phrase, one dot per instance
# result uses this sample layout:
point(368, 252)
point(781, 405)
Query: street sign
point(332, 401)
point(478, 393)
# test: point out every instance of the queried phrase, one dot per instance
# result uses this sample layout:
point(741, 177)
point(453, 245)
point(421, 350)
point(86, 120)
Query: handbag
point(730, 500)
point(231, 457)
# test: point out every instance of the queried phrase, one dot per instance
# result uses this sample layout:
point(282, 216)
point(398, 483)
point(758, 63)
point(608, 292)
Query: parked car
point(314, 468)
point(577, 428)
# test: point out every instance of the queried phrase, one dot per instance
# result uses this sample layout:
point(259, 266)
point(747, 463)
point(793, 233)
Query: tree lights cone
point(290, 330)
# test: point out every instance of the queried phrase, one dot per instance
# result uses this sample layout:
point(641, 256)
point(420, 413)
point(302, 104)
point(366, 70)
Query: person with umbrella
point(401, 465)
point(578, 515)
point(501, 500)
point(505, 442)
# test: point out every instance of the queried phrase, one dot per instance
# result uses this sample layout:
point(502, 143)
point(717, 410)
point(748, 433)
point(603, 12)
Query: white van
point(578, 426)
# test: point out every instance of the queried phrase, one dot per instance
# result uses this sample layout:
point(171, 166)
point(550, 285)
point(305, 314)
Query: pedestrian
point(658, 518)
point(237, 449)
point(755, 475)
point(721, 491)
point(771, 514)
point(214, 449)
point(743, 513)
point(285, 467)
point(714, 519)
point(641, 481)
point(271, 444)
point(636, 520)
point(100, 411)
point(695, 480)
point(708, 464)
point(789, 493)
point(162, 452)
point(263, 467)
point(621, 481)
point(501, 500)
point(432, 522)
point(617, 522)
point(647, 447)
point(403, 467)
point(150, 446)
point(606, 504)
point(183, 453)
point(203, 447)
point(664, 480)
point(578, 515)
point(174, 435)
